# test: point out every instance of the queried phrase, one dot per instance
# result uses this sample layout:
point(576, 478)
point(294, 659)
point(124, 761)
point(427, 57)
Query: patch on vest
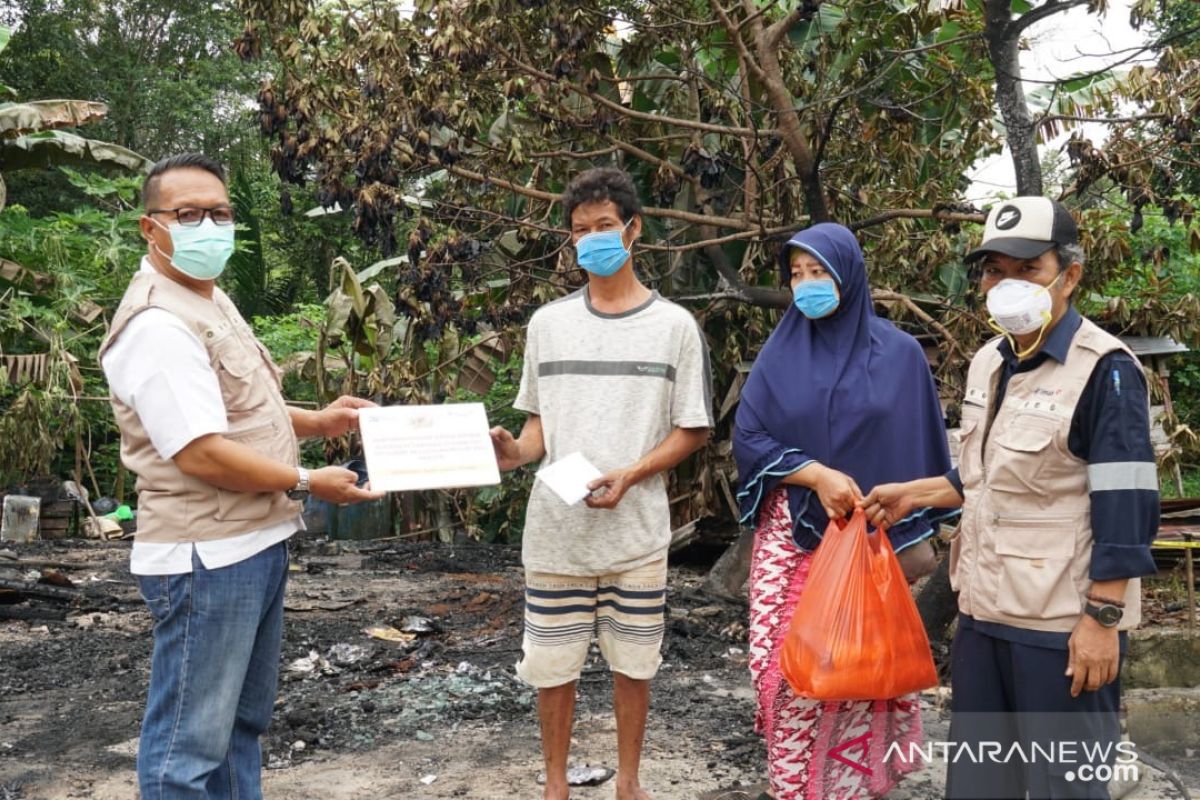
point(977, 396)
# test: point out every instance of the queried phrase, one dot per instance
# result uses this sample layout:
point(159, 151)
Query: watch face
point(1109, 615)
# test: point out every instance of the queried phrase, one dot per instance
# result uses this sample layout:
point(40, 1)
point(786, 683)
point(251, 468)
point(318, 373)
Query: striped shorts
point(562, 613)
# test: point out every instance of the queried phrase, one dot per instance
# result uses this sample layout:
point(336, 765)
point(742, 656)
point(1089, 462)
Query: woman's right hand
point(836, 490)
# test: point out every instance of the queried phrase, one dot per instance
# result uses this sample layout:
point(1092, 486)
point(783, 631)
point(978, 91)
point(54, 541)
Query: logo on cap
point(1008, 217)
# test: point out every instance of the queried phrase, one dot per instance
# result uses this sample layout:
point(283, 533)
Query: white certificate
point(428, 447)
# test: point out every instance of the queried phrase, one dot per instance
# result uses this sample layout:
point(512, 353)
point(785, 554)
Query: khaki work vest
point(173, 507)
point(1024, 546)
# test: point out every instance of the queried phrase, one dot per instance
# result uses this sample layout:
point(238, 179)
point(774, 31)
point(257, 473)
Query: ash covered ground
point(433, 709)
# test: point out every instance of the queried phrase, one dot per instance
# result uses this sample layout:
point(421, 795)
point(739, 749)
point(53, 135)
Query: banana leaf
point(56, 149)
point(18, 119)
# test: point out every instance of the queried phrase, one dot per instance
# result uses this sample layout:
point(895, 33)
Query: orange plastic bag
point(855, 632)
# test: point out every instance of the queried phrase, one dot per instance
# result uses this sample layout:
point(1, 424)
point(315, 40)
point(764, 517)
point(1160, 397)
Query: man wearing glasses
point(206, 429)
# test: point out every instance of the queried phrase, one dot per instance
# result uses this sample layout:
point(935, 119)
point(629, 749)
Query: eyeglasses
point(190, 216)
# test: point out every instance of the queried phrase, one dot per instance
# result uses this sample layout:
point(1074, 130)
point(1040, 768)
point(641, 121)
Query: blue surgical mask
point(816, 299)
point(200, 251)
point(602, 253)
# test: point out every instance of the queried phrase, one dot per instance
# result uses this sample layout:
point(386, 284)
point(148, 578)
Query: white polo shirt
point(160, 369)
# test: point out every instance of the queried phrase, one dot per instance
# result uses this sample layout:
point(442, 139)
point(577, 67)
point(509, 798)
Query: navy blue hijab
point(850, 391)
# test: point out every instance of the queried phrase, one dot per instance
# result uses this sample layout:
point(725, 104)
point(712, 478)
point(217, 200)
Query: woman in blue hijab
point(838, 401)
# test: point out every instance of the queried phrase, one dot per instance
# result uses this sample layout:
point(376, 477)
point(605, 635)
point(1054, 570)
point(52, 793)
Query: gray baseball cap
point(1026, 227)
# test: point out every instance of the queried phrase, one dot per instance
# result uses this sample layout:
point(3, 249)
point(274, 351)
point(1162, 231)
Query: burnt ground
point(360, 715)
point(432, 711)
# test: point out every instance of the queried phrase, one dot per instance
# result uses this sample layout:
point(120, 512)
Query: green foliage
point(1185, 390)
point(166, 73)
point(34, 422)
point(288, 336)
point(1155, 288)
point(1191, 483)
point(86, 257)
point(30, 135)
point(445, 135)
point(497, 513)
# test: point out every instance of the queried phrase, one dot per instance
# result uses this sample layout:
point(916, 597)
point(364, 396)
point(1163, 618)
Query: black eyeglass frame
point(204, 212)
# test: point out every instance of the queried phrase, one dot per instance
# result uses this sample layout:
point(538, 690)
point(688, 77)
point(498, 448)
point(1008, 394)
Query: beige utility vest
point(1024, 546)
point(173, 507)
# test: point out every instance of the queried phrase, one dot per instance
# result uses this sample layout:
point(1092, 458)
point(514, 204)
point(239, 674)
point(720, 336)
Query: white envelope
point(569, 477)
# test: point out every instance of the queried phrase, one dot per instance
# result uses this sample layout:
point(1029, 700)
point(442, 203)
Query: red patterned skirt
point(801, 733)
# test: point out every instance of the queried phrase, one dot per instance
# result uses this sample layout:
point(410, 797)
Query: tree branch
point(1002, 35)
point(827, 133)
point(769, 233)
point(915, 213)
point(572, 154)
point(779, 29)
point(1040, 13)
point(1101, 120)
point(649, 158)
point(966, 37)
point(735, 33)
point(625, 111)
point(790, 129)
point(734, 223)
point(886, 295)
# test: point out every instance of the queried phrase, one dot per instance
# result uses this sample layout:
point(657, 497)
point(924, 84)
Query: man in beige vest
point(1059, 490)
point(206, 429)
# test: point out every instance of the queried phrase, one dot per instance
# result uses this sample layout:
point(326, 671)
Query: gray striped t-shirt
point(611, 386)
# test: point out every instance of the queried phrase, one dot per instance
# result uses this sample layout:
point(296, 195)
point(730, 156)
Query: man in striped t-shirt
point(620, 375)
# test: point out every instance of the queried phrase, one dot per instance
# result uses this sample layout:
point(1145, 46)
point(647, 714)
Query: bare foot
point(562, 792)
point(634, 792)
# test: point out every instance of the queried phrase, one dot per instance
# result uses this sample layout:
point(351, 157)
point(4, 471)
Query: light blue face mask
point(816, 299)
point(200, 251)
point(602, 253)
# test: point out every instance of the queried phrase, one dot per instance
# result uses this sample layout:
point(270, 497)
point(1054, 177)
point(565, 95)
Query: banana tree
point(31, 135)
point(40, 383)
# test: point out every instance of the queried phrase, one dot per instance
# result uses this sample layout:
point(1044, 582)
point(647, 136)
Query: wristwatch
point(1106, 614)
point(300, 490)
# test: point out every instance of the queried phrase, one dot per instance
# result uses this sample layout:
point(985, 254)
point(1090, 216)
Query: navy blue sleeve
point(763, 462)
point(1111, 432)
point(955, 481)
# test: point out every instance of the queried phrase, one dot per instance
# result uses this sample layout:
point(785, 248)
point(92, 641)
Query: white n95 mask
point(1020, 307)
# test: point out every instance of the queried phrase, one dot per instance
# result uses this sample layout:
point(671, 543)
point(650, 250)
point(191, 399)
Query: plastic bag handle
point(872, 535)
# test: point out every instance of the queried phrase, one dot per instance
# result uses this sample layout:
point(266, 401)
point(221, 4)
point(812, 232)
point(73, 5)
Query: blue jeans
point(213, 676)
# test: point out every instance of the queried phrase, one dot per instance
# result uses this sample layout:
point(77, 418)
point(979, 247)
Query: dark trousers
point(1017, 694)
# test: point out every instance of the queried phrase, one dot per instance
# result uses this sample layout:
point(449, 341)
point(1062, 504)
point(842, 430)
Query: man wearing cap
point(1059, 489)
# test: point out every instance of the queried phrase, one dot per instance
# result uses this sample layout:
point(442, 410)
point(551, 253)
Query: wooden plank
point(61, 509)
point(682, 537)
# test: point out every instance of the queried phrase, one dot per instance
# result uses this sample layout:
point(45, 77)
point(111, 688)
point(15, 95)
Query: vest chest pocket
point(235, 358)
point(238, 365)
point(1019, 454)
